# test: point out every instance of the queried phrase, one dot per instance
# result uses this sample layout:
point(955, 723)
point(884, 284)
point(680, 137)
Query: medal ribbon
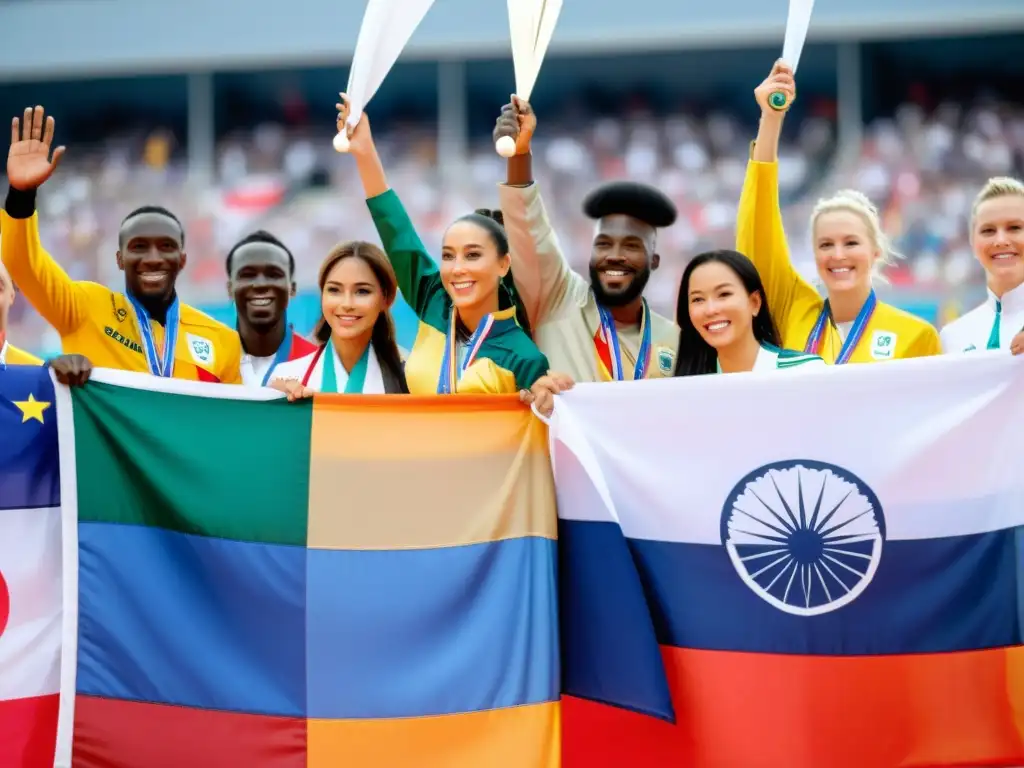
point(329, 380)
point(993, 337)
point(282, 354)
point(448, 379)
point(158, 367)
point(860, 325)
point(606, 342)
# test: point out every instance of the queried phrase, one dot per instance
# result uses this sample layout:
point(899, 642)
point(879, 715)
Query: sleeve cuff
point(20, 204)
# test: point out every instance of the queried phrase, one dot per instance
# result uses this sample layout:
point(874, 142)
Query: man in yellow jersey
point(598, 327)
point(9, 354)
point(146, 328)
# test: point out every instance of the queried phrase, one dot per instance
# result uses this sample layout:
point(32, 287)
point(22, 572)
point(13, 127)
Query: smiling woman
point(850, 325)
point(997, 235)
point(357, 352)
point(470, 339)
point(725, 325)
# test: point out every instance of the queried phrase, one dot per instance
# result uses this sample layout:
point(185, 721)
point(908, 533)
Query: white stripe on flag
point(30, 571)
point(936, 439)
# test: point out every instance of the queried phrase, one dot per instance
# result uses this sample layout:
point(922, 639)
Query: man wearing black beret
point(596, 329)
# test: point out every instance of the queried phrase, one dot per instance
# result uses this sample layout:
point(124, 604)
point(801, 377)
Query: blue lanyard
point(860, 325)
point(448, 379)
point(282, 353)
point(158, 367)
point(614, 362)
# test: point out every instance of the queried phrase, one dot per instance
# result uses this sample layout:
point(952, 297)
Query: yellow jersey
point(100, 324)
point(11, 355)
point(795, 304)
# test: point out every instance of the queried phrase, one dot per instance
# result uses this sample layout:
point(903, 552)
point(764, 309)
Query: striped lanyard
point(282, 354)
point(451, 369)
point(606, 341)
point(158, 366)
point(860, 325)
point(993, 337)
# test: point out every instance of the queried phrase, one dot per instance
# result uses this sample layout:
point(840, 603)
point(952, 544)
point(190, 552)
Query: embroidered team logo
point(666, 360)
point(883, 345)
point(805, 536)
point(201, 349)
point(120, 313)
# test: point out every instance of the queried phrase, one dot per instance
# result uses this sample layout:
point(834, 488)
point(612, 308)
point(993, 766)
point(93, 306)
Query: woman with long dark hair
point(725, 325)
point(472, 336)
point(357, 352)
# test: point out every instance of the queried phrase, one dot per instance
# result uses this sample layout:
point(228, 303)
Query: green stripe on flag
point(232, 469)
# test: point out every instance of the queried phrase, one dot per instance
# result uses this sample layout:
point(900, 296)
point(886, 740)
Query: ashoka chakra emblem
point(804, 535)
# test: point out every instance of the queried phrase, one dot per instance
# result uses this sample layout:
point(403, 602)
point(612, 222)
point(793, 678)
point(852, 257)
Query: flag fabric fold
point(841, 590)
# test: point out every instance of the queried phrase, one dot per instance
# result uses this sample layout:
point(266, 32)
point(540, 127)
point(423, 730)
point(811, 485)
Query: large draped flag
point(30, 568)
point(812, 569)
point(358, 581)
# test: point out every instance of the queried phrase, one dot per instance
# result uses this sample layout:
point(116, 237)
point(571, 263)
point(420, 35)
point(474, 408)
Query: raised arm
point(759, 231)
point(418, 277)
point(542, 275)
point(48, 288)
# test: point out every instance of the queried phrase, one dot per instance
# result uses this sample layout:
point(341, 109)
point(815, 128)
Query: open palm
point(28, 161)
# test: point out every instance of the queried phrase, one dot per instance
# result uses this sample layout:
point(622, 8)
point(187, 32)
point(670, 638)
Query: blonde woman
point(997, 237)
point(850, 325)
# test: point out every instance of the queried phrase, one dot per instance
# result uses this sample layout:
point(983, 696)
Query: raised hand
point(780, 79)
point(28, 162)
point(518, 121)
point(360, 138)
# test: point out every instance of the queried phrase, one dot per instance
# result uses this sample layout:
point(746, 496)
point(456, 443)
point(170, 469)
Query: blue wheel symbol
point(806, 536)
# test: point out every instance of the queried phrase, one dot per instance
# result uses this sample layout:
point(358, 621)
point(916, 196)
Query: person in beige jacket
point(596, 328)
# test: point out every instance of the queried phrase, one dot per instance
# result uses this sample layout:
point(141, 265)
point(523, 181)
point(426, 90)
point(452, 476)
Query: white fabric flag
point(798, 22)
point(387, 27)
point(531, 27)
point(936, 439)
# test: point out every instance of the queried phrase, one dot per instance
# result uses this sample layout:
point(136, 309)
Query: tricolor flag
point(816, 570)
point(358, 581)
point(30, 568)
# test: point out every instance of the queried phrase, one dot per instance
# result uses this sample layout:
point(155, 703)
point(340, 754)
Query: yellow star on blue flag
point(31, 408)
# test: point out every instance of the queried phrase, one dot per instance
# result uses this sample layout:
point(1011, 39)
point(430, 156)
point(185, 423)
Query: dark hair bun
point(494, 215)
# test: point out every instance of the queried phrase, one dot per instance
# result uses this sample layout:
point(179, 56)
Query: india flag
point(359, 581)
point(817, 570)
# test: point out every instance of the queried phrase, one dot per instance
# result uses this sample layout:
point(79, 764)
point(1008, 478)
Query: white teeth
point(616, 272)
point(721, 324)
point(460, 286)
point(264, 302)
point(1003, 256)
point(840, 270)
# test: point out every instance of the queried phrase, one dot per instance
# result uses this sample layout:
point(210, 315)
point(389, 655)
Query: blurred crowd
point(921, 166)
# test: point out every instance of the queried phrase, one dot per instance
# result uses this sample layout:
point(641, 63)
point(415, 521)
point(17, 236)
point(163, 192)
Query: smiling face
point(844, 250)
point(261, 283)
point(352, 298)
point(720, 308)
point(997, 237)
point(621, 259)
point(471, 267)
point(151, 256)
